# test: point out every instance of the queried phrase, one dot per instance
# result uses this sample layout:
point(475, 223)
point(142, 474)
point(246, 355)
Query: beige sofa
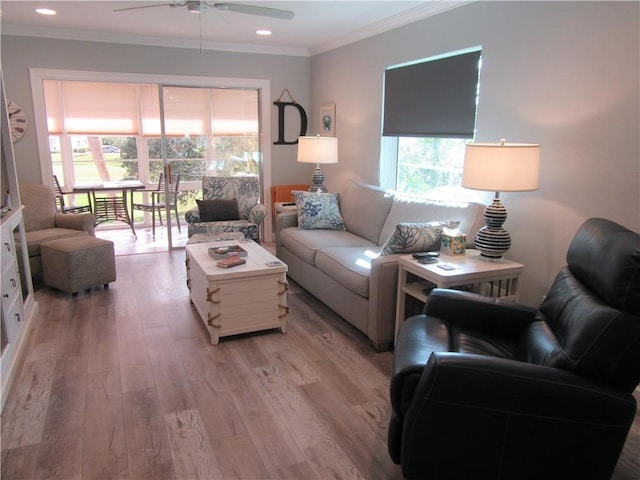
point(42, 223)
point(342, 269)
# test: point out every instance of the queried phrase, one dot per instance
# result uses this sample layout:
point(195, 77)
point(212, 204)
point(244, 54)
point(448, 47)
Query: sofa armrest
point(77, 221)
point(257, 214)
point(284, 220)
point(192, 215)
point(471, 310)
point(383, 288)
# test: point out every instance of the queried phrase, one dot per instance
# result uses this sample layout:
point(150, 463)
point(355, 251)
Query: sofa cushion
point(218, 210)
point(318, 211)
point(364, 209)
point(39, 203)
point(413, 237)
point(349, 266)
point(38, 237)
point(305, 243)
point(413, 210)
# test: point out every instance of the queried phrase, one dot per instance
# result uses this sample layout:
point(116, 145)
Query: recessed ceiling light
point(263, 32)
point(45, 11)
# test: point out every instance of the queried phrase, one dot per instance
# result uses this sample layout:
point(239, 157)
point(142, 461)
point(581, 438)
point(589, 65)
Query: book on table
point(231, 262)
point(229, 251)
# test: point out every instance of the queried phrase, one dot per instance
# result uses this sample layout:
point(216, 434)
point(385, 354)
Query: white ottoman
point(78, 263)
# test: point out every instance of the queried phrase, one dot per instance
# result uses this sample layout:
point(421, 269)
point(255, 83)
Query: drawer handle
point(211, 293)
point(286, 287)
point(286, 311)
point(5, 295)
point(18, 317)
point(13, 282)
point(186, 263)
point(189, 283)
point(211, 318)
point(6, 244)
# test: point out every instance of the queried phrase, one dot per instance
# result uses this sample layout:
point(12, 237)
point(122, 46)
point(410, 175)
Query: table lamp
point(317, 150)
point(499, 167)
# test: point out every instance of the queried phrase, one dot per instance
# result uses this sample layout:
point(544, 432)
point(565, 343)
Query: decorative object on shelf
point(317, 150)
point(328, 120)
point(17, 120)
point(499, 167)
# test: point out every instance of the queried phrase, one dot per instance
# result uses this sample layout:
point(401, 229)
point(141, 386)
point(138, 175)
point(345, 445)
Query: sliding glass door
point(203, 131)
point(115, 131)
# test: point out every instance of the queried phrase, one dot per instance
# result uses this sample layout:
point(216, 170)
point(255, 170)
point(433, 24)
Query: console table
point(496, 278)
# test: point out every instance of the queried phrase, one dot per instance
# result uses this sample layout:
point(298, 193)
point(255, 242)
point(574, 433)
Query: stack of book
point(229, 256)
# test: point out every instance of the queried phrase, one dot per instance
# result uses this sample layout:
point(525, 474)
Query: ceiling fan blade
point(174, 4)
point(254, 10)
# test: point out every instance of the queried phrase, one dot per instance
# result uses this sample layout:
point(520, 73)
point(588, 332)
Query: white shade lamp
point(499, 167)
point(317, 150)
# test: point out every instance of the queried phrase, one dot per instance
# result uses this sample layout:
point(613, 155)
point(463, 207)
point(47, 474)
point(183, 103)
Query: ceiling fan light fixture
point(45, 11)
point(263, 33)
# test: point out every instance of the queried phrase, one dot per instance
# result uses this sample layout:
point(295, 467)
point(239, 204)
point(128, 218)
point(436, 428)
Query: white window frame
point(263, 86)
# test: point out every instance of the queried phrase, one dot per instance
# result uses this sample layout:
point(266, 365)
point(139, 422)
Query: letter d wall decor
point(303, 119)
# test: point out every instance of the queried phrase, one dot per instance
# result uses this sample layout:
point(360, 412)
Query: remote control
point(426, 260)
point(426, 254)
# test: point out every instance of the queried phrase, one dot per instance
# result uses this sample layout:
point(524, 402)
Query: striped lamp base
point(493, 240)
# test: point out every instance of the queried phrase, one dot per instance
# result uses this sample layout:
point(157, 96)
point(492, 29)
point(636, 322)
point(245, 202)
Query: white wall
point(565, 75)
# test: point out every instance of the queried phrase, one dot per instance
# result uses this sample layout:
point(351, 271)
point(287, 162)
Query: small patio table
point(111, 208)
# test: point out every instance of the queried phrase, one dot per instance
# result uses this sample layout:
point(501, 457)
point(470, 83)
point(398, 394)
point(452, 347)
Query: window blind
point(434, 98)
point(105, 108)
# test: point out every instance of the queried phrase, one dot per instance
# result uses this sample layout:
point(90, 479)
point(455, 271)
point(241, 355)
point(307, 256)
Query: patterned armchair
point(250, 213)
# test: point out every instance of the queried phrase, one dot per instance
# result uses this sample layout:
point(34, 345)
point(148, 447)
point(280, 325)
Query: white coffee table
point(246, 298)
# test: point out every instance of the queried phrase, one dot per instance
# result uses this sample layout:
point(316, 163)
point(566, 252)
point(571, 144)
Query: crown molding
point(103, 37)
point(427, 9)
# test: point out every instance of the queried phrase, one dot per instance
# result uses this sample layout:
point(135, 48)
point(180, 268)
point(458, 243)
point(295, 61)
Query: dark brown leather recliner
point(483, 389)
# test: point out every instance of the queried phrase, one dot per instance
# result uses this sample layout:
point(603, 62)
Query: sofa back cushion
point(364, 209)
point(415, 210)
point(589, 320)
point(245, 189)
point(39, 206)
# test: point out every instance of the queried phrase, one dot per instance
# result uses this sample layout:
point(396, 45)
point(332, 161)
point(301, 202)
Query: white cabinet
point(12, 301)
point(18, 303)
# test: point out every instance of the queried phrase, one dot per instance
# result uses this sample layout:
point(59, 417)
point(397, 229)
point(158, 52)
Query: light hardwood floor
point(121, 383)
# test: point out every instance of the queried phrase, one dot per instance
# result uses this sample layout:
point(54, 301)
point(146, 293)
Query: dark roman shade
point(435, 98)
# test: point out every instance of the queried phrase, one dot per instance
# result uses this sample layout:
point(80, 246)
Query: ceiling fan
point(199, 6)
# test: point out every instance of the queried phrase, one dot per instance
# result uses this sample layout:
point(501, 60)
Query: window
point(109, 131)
point(429, 115)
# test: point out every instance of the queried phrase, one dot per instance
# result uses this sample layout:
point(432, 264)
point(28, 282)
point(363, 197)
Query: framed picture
point(328, 120)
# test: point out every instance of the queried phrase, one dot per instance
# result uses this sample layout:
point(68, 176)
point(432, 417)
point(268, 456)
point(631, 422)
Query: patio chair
point(61, 205)
point(158, 203)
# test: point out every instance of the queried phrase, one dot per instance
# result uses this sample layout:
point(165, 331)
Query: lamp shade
point(317, 149)
point(501, 167)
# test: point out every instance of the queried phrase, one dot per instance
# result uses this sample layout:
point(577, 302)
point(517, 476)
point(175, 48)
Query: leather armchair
point(483, 389)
